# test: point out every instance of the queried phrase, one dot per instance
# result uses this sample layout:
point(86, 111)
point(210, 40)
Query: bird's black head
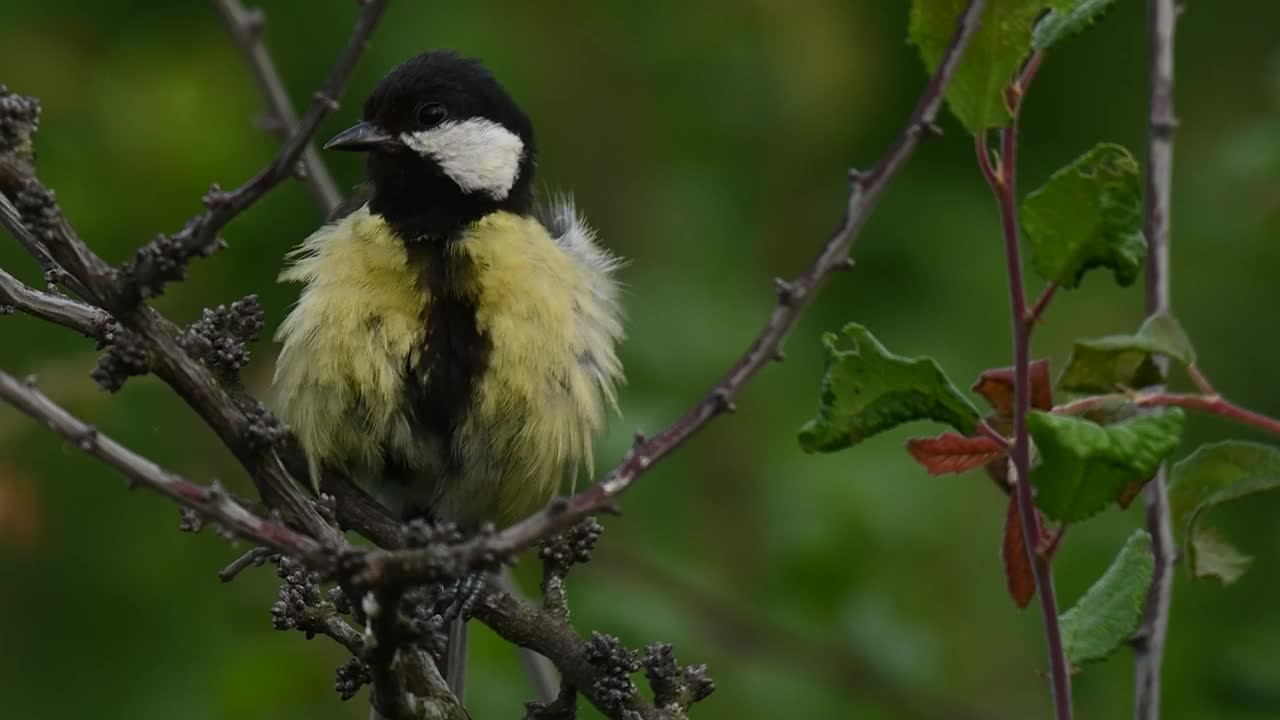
point(446, 145)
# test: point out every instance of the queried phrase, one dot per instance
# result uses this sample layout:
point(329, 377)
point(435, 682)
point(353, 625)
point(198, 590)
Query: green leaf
point(1108, 614)
point(1103, 365)
point(1085, 466)
point(1058, 25)
point(1213, 475)
point(1211, 555)
point(995, 53)
point(1088, 215)
point(866, 390)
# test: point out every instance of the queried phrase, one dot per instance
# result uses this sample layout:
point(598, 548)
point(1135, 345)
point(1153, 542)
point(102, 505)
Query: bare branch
point(551, 636)
point(1150, 638)
point(246, 27)
point(55, 308)
point(163, 260)
point(210, 501)
point(562, 513)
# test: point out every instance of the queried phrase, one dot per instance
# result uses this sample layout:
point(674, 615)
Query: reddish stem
point(1042, 302)
point(1202, 383)
point(1214, 404)
point(985, 428)
point(1051, 548)
point(1004, 186)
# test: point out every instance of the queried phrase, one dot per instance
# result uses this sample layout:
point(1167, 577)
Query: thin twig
point(1036, 312)
point(211, 502)
point(991, 433)
point(1214, 404)
point(11, 220)
point(255, 556)
point(1201, 382)
point(199, 235)
point(246, 27)
point(1149, 641)
point(1005, 190)
point(562, 513)
point(53, 307)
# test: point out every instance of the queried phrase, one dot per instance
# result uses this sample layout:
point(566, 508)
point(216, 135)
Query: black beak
point(361, 137)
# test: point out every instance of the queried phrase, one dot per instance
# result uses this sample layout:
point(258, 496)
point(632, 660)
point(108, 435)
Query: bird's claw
point(463, 595)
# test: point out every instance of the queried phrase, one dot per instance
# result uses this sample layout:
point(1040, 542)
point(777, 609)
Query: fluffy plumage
point(453, 345)
point(547, 304)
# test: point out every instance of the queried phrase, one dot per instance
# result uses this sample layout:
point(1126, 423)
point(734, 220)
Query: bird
point(454, 345)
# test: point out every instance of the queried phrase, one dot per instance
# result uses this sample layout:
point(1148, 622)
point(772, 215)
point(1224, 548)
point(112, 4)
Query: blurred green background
point(708, 142)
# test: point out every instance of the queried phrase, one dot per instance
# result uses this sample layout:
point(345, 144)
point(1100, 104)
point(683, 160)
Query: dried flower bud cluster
point(672, 687)
point(615, 664)
point(126, 356)
point(162, 261)
point(219, 337)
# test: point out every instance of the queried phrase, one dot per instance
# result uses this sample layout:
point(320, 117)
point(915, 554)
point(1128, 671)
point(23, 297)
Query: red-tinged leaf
point(996, 386)
point(953, 453)
point(1018, 573)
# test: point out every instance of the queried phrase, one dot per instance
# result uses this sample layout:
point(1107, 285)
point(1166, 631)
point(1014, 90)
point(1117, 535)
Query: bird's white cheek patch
point(477, 154)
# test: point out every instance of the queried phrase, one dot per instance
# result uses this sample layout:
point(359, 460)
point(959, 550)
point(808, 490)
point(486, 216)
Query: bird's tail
point(456, 657)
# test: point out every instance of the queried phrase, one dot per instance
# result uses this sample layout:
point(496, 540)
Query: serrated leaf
point(1213, 475)
point(1058, 25)
point(867, 390)
point(995, 53)
point(1020, 578)
point(952, 453)
point(1088, 215)
point(1108, 614)
point(1107, 364)
point(996, 387)
point(1085, 466)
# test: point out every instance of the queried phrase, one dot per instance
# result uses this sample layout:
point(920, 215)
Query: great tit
point(453, 346)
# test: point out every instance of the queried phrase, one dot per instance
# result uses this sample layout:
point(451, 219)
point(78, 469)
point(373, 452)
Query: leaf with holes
point(1085, 466)
point(1118, 362)
point(867, 390)
point(952, 453)
point(995, 54)
point(1213, 475)
point(1088, 215)
point(1108, 614)
point(1058, 25)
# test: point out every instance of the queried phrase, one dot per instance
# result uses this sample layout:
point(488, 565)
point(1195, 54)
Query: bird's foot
point(463, 595)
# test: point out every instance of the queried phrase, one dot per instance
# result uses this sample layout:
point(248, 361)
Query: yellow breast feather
point(547, 302)
point(339, 377)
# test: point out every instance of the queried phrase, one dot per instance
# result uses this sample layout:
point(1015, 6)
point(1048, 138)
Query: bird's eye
point(431, 114)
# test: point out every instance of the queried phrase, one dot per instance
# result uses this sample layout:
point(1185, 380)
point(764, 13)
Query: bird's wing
point(599, 314)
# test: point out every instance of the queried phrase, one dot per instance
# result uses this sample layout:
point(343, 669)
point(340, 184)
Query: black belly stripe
point(429, 212)
point(454, 356)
